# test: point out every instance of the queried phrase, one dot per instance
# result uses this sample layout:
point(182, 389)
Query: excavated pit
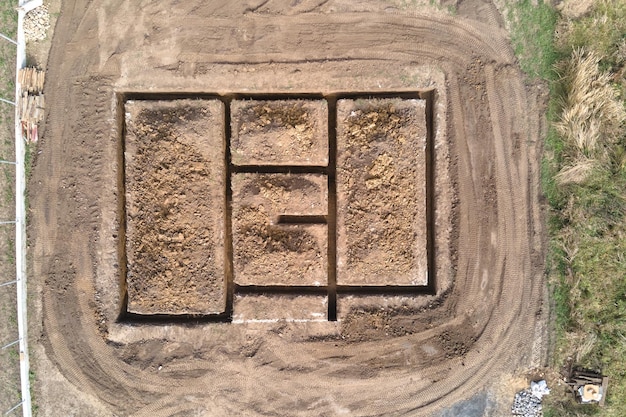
point(207, 189)
point(327, 328)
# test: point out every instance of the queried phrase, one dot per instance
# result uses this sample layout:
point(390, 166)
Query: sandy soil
point(386, 355)
point(279, 132)
point(381, 192)
point(266, 252)
point(174, 180)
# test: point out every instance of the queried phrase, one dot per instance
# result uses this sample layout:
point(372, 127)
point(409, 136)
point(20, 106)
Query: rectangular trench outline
point(332, 289)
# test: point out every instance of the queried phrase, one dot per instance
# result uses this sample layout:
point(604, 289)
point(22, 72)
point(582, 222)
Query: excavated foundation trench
point(333, 337)
point(156, 125)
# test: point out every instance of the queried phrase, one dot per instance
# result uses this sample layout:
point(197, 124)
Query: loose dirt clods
point(267, 252)
point(381, 192)
point(280, 222)
point(279, 132)
point(174, 174)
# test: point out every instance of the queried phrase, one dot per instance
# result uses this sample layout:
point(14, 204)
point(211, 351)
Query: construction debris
point(36, 24)
point(589, 387)
point(539, 388)
point(31, 102)
point(527, 403)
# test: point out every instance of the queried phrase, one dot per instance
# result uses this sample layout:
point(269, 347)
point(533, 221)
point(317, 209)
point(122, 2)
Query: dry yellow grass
point(576, 172)
point(592, 118)
point(585, 182)
point(592, 112)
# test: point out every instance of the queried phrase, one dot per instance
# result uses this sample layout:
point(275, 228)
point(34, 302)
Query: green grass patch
point(9, 179)
point(532, 34)
point(587, 266)
point(603, 31)
point(33, 380)
point(8, 27)
point(586, 259)
point(8, 18)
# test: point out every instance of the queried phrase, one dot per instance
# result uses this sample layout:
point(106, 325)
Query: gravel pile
point(36, 24)
point(526, 405)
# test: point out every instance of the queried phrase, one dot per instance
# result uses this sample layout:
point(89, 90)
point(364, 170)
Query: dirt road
point(385, 355)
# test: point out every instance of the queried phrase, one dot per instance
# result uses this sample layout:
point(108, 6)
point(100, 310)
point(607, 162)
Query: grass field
point(584, 181)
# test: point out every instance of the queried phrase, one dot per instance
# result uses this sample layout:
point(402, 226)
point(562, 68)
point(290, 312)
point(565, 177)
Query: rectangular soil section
point(175, 176)
point(276, 240)
point(279, 132)
point(381, 192)
point(286, 307)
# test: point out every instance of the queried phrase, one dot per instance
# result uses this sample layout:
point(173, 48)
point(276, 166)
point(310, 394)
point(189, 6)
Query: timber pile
point(31, 80)
point(31, 104)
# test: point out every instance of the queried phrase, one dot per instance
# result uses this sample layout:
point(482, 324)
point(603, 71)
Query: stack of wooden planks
point(32, 80)
point(31, 104)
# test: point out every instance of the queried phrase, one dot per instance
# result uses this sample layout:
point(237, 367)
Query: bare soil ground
point(279, 132)
point(266, 252)
point(381, 192)
point(174, 179)
point(393, 354)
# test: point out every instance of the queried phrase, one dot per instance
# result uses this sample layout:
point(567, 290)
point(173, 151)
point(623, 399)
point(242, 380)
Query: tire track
point(496, 291)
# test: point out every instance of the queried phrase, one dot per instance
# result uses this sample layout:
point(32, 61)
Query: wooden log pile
point(31, 102)
point(31, 80)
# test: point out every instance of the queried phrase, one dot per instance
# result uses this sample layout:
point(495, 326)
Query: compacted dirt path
point(401, 354)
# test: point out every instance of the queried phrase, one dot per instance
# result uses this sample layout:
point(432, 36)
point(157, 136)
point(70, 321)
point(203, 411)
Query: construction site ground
point(444, 328)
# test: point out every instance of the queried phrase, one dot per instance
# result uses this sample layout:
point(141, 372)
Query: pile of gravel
point(526, 404)
point(36, 24)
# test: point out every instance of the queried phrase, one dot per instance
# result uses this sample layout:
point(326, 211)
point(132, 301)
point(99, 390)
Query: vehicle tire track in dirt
point(483, 327)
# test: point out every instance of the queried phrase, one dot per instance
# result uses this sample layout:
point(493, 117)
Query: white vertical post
point(20, 230)
point(20, 213)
